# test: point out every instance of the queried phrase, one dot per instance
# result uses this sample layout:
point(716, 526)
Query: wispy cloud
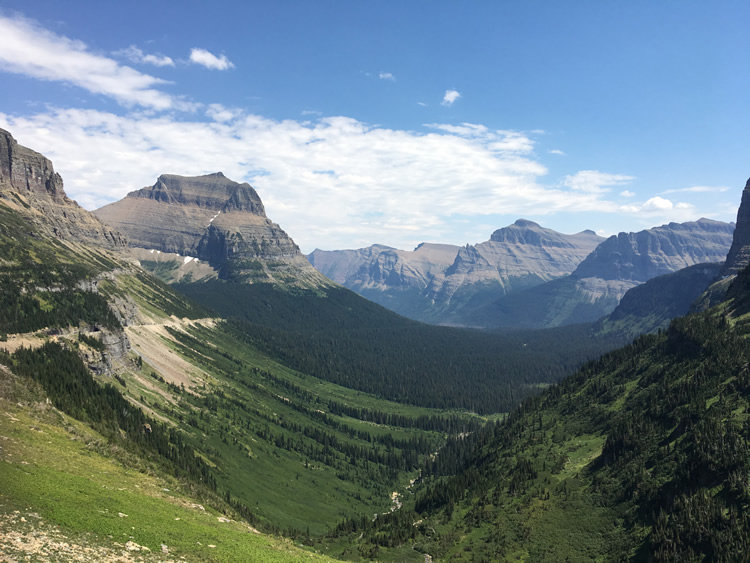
point(31, 50)
point(450, 97)
point(498, 140)
point(136, 55)
point(557, 152)
point(386, 76)
point(209, 60)
point(698, 189)
point(593, 181)
point(627, 193)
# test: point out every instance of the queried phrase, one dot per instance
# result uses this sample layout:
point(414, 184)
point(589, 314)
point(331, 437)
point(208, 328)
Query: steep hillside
point(640, 456)
point(652, 305)
point(620, 263)
point(444, 284)
point(216, 220)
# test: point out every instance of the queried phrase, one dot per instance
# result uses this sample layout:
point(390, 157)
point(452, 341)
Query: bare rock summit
point(739, 253)
point(213, 219)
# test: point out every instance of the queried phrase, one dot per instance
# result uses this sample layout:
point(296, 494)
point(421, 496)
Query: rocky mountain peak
point(214, 219)
point(211, 191)
point(739, 253)
point(524, 231)
point(30, 185)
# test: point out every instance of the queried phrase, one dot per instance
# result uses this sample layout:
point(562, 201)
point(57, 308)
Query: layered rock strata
point(30, 185)
point(214, 219)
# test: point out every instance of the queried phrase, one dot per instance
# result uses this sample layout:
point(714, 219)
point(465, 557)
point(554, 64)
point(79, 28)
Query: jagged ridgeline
point(446, 284)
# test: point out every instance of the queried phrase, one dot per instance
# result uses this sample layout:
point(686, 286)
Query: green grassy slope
point(66, 491)
point(299, 453)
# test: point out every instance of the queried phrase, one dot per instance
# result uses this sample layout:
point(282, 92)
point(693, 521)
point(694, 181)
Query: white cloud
point(698, 189)
point(386, 76)
point(593, 181)
point(662, 209)
point(424, 105)
point(627, 193)
point(557, 152)
point(657, 203)
point(33, 51)
point(136, 55)
point(385, 177)
point(334, 182)
point(499, 140)
point(450, 97)
point(209, 60)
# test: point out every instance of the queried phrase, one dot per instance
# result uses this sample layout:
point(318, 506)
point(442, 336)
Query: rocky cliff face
point(637, 257)
point(618, 264)
point(442, 283)
point(30, 185)
point(215, 220)
point(739, 254)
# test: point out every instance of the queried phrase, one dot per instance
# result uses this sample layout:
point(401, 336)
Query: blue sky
point(394, 122)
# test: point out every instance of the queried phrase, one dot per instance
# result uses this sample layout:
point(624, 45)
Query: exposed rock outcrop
point(30, 185)
point(215, 220)
point(739, 254)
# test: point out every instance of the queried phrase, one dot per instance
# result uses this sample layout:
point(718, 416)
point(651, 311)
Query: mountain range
point(263, 413)
point(439, 283)
point(525, 276)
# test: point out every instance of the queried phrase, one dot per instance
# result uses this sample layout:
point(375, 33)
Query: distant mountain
point(216, 220)
point(444, 284)
point(396, 279)
point(620, 263)
point(30, 186)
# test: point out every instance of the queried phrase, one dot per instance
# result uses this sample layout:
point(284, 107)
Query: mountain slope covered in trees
point(640, 455)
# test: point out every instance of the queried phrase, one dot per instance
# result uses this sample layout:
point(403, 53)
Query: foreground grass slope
point(66, 491)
